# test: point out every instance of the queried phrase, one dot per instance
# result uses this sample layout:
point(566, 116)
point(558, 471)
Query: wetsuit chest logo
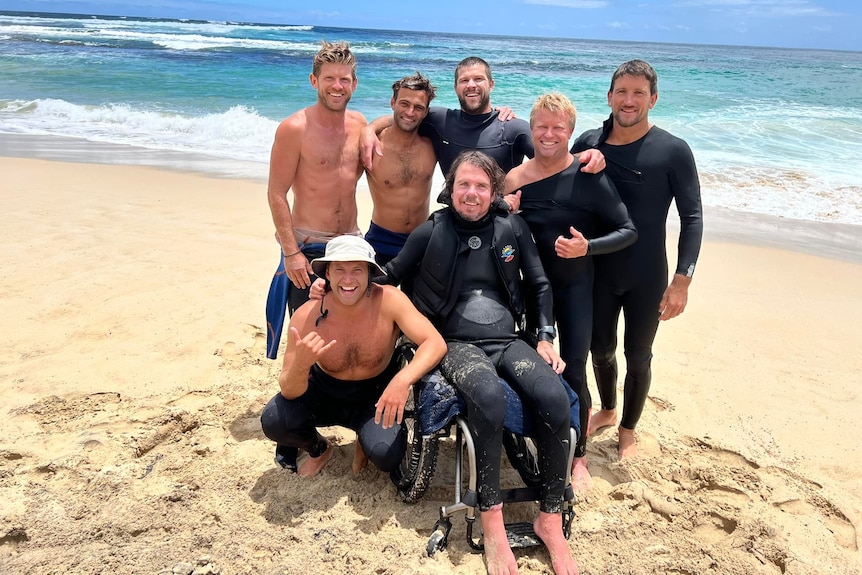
point(507, 254)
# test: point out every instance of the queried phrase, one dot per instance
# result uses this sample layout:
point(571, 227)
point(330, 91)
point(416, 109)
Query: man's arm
point(406, 263)
point(301, 353)
point(511, 190)
point(686, 191)
point(283, 164)
point(593, 161)
point(369, 142)
point(585, 147)
point(431, 349)
point(538, 296)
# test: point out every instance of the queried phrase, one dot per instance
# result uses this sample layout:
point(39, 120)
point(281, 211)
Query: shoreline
point(826, 239)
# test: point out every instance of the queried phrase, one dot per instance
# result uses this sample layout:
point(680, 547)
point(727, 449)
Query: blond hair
point(556, 103)
point(333, 53)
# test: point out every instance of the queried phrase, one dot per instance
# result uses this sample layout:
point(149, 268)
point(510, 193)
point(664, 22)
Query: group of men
point(588, 243)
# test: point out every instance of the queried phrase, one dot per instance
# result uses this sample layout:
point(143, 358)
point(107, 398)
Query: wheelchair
point(433, 409)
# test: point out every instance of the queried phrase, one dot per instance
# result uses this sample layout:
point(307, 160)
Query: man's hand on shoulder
point(593, 160)
point(369, 146)
point(318, 289)
point(505, 113)
point(514, 201)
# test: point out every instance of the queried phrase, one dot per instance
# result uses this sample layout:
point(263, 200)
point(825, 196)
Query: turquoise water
point(774, 131)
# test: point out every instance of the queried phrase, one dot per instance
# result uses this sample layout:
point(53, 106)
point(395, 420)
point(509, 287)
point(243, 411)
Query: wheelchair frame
point(414, 476)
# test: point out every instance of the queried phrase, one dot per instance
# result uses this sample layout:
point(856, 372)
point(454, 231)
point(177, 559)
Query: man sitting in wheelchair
point(477, 272)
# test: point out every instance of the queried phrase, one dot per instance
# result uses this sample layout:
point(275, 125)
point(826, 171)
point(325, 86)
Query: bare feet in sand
point(360, 460)
point(312, 465)
point(628, 443)
point(602, 419)
point(549, 527)
point(499, 558)
point(581, 479)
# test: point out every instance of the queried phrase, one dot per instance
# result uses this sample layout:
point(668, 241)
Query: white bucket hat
point(346, 249)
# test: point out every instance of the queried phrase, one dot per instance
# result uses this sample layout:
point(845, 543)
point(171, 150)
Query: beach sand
point(133, 374)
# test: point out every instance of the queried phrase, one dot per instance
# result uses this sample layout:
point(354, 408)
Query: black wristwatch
point(547, 333)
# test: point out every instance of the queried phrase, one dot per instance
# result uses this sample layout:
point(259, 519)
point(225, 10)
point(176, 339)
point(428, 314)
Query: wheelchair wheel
point(413, 476)
point(523, 457)
point(439, 537)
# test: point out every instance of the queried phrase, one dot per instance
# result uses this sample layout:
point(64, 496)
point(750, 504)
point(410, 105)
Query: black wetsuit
point(453, 131)
point(648, 173)
point(329, 401)
point(475, 308)
point(590, 204)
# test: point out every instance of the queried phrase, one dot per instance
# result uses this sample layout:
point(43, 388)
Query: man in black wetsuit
point(475, 126)
point(573, 216)
point(650, 168)
point(476, 271)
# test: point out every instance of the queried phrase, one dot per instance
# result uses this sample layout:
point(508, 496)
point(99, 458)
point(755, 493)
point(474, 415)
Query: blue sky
point(828, 24)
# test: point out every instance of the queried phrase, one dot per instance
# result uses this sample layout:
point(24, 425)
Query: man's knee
point(638, 360)
point(603, 356)
point(555, 408)
point(489, 402)
point(270, 420)
point(385, 452)
point(281, 417)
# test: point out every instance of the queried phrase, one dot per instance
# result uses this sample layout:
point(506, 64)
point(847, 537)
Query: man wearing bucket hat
point(339, 365)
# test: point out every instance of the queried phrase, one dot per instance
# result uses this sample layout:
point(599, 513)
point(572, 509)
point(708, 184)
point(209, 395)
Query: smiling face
point(471, 192)
point(410, 107)
point(551, 133)
point(473, 88)
point(630, 100)
point(334, 85)
point(348, 281)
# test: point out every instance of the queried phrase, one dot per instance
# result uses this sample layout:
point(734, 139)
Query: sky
point(821, 24)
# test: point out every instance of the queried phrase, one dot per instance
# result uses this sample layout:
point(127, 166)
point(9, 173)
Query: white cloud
point(759, 7)
point(619, 25)
point(570, 3)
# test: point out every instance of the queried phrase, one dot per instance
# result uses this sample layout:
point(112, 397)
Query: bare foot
point(628, 443)
point(581, 479)
point(360, 460)
point(499, 558)
point(549, 527)
point(602, 419)
point(312, 465)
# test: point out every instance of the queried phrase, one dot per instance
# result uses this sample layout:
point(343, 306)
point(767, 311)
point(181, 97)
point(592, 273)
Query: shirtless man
point(400, 182)
point(315, 154)
point(339, 367)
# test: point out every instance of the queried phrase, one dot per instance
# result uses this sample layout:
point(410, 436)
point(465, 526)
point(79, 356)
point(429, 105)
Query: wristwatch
point(547, 333)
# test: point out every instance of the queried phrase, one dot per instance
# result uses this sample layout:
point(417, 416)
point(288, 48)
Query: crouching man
point(340, 367)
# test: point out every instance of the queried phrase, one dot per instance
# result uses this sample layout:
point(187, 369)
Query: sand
point(133, 374)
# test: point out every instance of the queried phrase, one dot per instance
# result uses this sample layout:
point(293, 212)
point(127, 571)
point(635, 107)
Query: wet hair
point(416, 82)
point(556, 103)
point(473, 61)
point(333, 53)
point(482, 161)
point(637, 68)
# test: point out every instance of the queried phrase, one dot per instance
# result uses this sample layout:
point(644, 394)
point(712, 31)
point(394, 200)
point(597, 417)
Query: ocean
point(774, 131)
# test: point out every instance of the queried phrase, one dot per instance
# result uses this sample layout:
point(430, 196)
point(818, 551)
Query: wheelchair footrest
point(521, 535)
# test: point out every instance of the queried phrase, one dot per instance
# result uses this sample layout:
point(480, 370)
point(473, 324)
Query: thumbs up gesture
point(573, 247)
